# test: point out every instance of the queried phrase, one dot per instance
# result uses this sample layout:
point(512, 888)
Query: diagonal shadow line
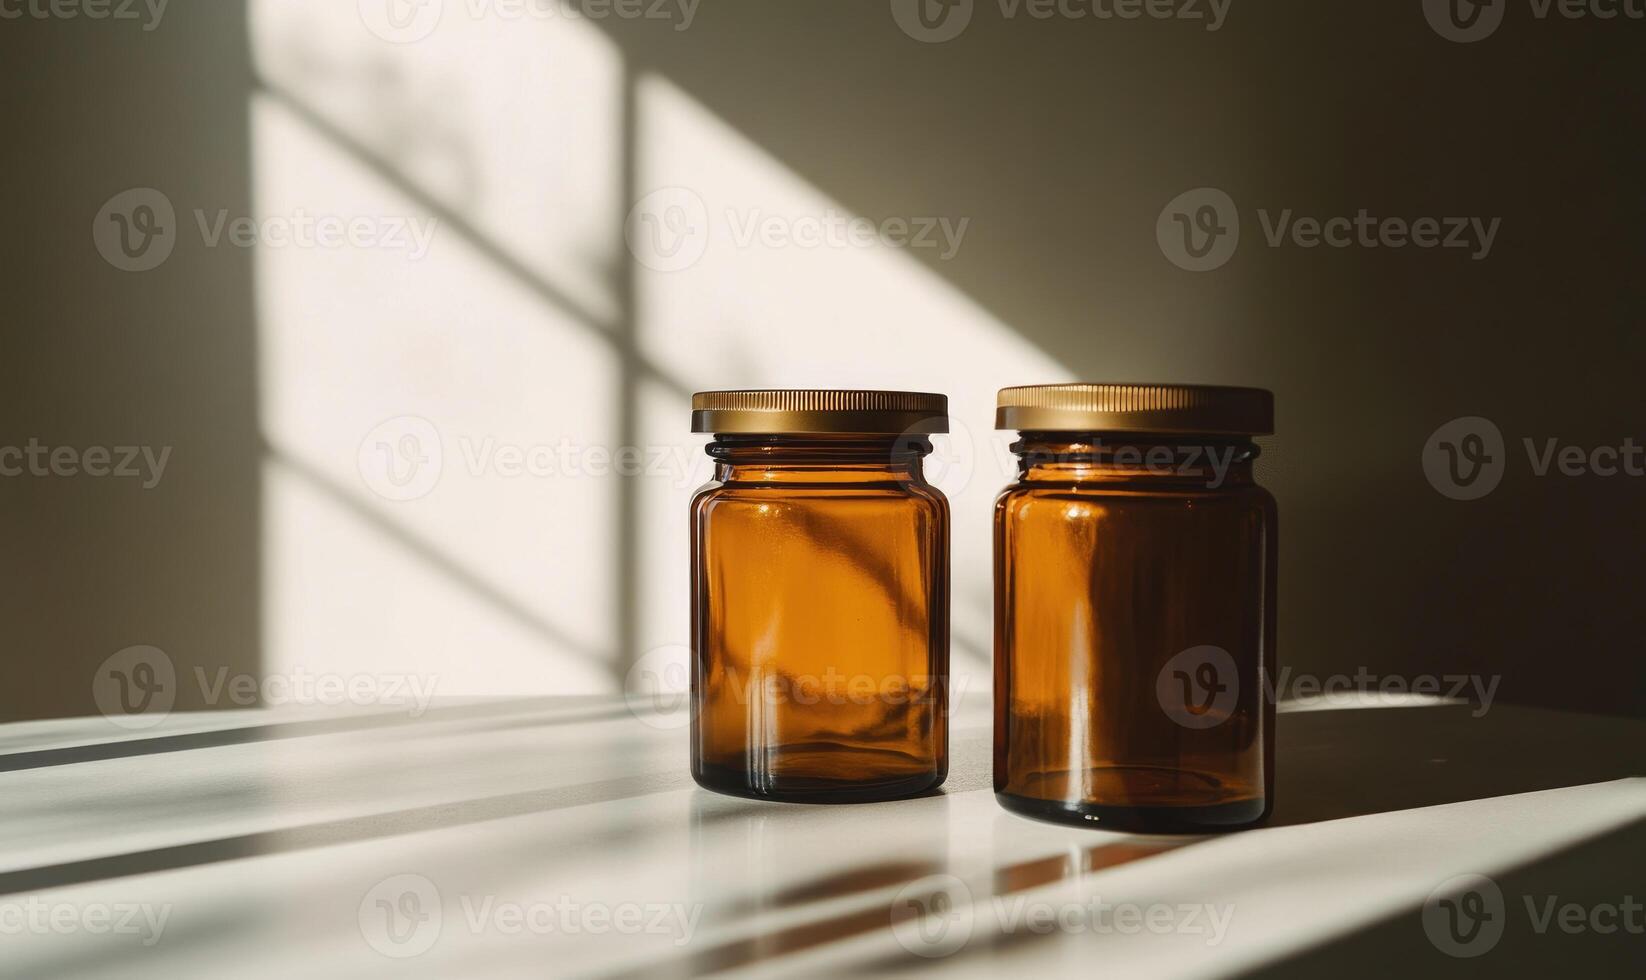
point(828, 533)
point(763, 948)
point(860, 551)
point(250, 734)
point(970, 648)
point(475, 585)
point(349, 830)
point(209, 927)
point(619, 337)
point(1391, 937)
point(626, 520)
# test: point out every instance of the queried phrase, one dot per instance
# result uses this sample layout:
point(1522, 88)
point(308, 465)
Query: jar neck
point(1199, 461)
point(819, 458)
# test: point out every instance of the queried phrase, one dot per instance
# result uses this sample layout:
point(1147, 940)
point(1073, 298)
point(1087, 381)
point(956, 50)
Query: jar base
point(731, 782)
point(1209, 818)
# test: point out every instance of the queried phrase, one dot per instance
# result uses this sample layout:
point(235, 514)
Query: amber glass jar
point(820, 597)
point(1135, 608)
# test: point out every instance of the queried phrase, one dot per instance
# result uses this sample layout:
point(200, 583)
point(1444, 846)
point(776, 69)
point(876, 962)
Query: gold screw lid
point(1141, 408)
point(780, 411)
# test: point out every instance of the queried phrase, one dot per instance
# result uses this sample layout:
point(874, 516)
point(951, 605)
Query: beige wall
point(1061, 142)
point(99, 357)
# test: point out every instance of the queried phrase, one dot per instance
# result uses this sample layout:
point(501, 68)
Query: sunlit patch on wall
point(365, 348)
point(777, 294)
point(512, 124)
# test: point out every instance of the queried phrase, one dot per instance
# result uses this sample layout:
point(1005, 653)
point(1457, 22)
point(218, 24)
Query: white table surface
point(260, 843)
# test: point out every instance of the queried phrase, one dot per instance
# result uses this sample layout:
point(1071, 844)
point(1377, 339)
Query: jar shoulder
point(1017, 499)
point(918, 496)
